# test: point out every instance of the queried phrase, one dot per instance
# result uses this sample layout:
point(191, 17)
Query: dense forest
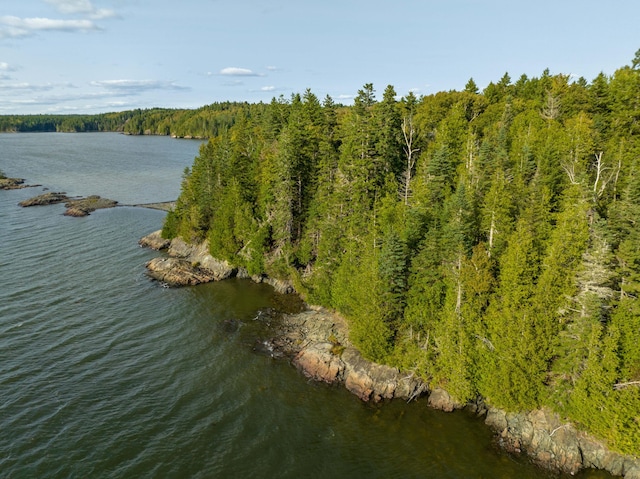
point(204, 122)
point(488, 240)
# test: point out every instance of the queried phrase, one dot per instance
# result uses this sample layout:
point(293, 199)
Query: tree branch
point(619, 386)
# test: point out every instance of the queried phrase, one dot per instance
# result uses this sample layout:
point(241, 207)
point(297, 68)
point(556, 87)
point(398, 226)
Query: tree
point(471, 87)
point(410, 136)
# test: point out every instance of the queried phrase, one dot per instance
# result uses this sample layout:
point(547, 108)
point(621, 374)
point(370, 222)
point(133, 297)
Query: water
point(105, 374)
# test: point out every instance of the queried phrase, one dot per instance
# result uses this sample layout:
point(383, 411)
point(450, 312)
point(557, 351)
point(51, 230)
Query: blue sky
point(90, 56)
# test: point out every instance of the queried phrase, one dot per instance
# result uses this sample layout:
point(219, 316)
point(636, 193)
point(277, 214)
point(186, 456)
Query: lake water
point(106, 374)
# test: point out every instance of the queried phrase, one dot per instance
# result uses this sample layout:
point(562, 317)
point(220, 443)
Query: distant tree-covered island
point(488, 241)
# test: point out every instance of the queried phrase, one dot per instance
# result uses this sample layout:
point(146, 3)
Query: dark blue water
point(105, 374)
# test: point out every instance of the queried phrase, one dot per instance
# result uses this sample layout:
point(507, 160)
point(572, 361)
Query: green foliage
point(486, 241)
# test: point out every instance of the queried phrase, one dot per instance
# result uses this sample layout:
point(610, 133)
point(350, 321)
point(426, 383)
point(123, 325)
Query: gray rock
point(155, 241)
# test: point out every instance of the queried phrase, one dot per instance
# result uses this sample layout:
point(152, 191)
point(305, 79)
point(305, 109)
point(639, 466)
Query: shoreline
point(316, 342)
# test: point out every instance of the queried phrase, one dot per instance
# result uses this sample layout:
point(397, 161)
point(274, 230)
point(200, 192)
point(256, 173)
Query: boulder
point(155, 241)
point(442, 400)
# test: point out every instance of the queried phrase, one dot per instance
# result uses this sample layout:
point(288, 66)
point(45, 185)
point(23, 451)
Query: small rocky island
point(75, 206)
point(13, 183)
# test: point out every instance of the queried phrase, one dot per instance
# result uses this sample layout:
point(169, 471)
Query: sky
point(94, 56)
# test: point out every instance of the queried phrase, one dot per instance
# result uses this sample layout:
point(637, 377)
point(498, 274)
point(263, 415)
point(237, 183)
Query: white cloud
point(240, 72)
point(82, 7)
point(268, 88)
point(25, 87)
point(14, 27)
point(137, 86)
point(5, 67)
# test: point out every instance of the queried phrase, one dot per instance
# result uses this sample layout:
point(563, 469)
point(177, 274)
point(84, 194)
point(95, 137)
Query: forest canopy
point(488, 241)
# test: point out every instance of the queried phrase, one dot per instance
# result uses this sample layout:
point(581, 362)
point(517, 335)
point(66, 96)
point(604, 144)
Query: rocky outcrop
point(177, 272)
point(75, 207)
point(555, 444)
point(13, 184)
point(49, 198)
point(85, 206)
point(187, 264)
point(190, 264)
point(155, 241)
point(317, 342)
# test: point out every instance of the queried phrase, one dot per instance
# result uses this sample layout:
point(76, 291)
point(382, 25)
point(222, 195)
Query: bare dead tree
point(409, 134)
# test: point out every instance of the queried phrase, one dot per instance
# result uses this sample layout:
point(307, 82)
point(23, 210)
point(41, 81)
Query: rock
point(440, 399)
point(177, 272)
point(317, 341)
point(496, 419)
point(49, 198)
point(187, 264)
point(283, 287)
point(85, 206)
point(155, 241)
point(13, 184)
point(556, 445)
point(75, 212)
point(75, 207)
point(318, 363)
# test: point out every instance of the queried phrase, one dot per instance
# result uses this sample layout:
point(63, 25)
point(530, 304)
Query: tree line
point(204, 122)
point(488, 240)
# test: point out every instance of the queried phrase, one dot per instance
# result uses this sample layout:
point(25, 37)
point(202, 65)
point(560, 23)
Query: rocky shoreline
point(188, 265)
point(316, 342)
